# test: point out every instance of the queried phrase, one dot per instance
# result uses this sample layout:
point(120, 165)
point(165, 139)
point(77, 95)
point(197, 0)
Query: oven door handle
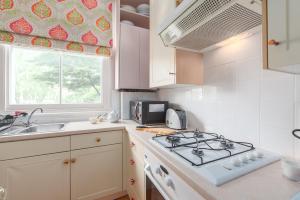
point(150, 175)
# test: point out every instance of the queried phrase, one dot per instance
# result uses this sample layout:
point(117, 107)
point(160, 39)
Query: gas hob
point(213, 156)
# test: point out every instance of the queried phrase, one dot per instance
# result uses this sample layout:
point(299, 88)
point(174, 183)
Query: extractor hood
point(198, 25)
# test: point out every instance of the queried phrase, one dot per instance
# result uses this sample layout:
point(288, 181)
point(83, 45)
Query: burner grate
point(200, 148)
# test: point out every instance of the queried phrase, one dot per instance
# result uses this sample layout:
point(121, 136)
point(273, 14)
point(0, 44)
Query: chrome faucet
point(28, 123)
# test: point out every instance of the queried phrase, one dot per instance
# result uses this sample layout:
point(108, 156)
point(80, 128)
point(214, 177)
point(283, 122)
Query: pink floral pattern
point(77, 24)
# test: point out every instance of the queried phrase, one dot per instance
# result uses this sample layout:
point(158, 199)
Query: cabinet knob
point(132, 162)
point(66, 162)
point(2, 193)
point(98, 140)
point(273, 43)
point(132, 181)
point(73, 160)
point(132, 144)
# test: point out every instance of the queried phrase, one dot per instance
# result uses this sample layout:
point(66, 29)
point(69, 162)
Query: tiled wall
point(241, 100)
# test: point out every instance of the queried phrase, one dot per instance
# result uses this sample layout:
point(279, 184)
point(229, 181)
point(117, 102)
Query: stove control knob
point(148, 167)
point(157, 171)
point(236, 162)
point(244, 159)
point(169, 182)
point(252, 156)
point(259, 154)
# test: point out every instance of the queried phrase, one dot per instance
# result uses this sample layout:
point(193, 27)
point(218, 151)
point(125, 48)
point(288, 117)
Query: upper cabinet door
point(283, 34)
point(96, 172)
point(129, 57)
point(41, 177)
point(162, 59)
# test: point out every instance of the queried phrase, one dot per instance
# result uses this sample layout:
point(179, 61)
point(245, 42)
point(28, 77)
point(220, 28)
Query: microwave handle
point(136, 111)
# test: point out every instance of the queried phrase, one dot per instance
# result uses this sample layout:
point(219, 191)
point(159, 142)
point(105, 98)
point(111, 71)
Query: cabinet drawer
point(95, 139)
point(20, 149)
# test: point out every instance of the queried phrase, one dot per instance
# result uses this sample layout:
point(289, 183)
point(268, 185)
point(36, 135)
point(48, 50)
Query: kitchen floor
point(124, 198)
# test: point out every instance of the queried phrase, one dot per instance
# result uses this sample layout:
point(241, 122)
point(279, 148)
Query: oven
point(152, 192)
point(162, 183)
point(155, 180)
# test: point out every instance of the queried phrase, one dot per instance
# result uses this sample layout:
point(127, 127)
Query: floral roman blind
point(75, 25)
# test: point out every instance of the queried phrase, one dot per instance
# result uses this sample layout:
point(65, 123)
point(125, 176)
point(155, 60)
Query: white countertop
point(264, 184)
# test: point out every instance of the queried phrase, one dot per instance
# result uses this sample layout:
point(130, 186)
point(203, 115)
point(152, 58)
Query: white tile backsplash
point(242, 101)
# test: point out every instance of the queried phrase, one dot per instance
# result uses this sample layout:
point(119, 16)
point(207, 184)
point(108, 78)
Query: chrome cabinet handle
point(172, 73)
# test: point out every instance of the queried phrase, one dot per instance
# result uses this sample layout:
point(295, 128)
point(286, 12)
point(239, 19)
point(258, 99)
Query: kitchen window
point(55, 80)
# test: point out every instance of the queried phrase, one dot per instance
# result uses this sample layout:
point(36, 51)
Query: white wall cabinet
point(162, 59)
point(168, 66)
point(281, 35)
point(133, 67)
point(44, 177)
point(96, 172)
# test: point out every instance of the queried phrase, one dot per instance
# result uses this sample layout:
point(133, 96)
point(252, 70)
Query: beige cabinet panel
point(95, 139)
point(135, 169)
point(21, 149)
point(42, 177)
point(96, 172)
point(162, 59)
point(129, 57)
point(144, 58)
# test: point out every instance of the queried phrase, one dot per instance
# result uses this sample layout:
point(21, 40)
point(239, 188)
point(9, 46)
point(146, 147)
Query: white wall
point(242, 101)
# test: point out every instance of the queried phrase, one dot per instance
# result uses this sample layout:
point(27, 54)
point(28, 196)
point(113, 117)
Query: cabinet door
point(162, 59)
point(144, 58)
point(42, 177)
point(283, 27)
point(96, 172)
point(129, 68)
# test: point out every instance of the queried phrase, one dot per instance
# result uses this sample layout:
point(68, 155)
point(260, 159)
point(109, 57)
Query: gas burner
point(173, 139)
point(226, 144)
point(198, 152)
point(198, 134)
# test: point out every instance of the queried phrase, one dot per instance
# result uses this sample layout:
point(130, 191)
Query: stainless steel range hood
point(198, 25)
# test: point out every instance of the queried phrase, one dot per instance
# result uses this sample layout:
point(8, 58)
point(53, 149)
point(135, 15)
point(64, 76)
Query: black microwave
point(148, 112)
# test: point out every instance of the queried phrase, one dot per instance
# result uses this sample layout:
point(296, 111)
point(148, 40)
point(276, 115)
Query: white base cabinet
point(96, 172)
point(41, 177)
point(91, 171)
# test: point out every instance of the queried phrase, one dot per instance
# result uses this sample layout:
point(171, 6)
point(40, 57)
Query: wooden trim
point(265, 34)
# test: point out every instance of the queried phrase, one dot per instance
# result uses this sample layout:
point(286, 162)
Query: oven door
point(154, 190)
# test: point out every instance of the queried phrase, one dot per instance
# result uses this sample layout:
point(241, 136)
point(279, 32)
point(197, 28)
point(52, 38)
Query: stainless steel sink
point(42, 128)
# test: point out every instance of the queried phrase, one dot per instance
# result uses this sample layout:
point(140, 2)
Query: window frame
point(5, 52)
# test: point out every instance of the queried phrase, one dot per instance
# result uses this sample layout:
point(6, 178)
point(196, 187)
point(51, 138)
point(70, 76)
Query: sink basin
point(11, 130)
point(43, 128)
